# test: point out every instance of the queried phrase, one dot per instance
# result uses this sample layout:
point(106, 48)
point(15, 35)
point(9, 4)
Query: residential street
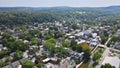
point(106, 52)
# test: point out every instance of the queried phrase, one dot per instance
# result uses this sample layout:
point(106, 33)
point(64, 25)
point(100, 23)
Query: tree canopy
point(27, 64)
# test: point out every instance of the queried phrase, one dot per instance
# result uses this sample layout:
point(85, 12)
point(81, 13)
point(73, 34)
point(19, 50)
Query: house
point(12, 54)
point(57, 23)
point(25, 54)
point(30, 27)
point(114, 61)
point(94, 35)
point(79, 34)
point(34, 47)
point(3, 59)
point(53, 59)
point(46, 29)
point(39, 53)
point(33, 59)
point(117, 46)
point(26, 41)
point(19, 66)
point(75, 55)
point(5, 48)
point(1, 37)
point(8, 66)
point(94, 42)
point(90, 30)
point(86, 33)
point(10, 30)
point(16, 64)
point(118, 32)
point(68, 34)
point(71, 37)
point(50, 65)
point(1, 47)
point(22, 60)
point(79, 41)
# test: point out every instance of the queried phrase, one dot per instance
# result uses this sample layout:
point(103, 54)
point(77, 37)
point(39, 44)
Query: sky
point(52, 3)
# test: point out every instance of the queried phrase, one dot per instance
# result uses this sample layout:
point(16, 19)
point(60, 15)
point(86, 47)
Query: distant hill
point(113, 8)
point(110, 8)
point(24, 15)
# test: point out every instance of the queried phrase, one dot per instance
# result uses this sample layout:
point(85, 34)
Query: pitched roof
point(8, 66)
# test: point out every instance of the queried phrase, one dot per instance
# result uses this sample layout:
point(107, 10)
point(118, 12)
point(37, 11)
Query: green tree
point(115, 38)
point(73, 44)
point(75, 26)
point(84, 47)
point(57, 34)
point(18, 45)
point(91, 67)
point(96, 56)
point(106, 66)
point(1, 64)
point(66, 44)
point(34, 41)
point(40, 35)
point(61, 51)
point(50, 45)
point(104, 39)
point(25, 36)
point(52, 40)
point(8, 59)
point(33, 32)
point(47, 36)
point(18, 55)
point(27, 64)
point(36, 25)
point(39, 65)
point(3, 53)
point(7, 39)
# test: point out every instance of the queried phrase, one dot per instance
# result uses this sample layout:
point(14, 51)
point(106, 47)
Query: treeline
point(25, 17)
point(22, 15)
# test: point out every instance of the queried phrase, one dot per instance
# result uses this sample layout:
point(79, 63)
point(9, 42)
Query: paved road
point(107, 41)
point(77, 66)
point(106, 52)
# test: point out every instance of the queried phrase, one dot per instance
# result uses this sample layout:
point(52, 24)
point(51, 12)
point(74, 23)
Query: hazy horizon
point(54, 3)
